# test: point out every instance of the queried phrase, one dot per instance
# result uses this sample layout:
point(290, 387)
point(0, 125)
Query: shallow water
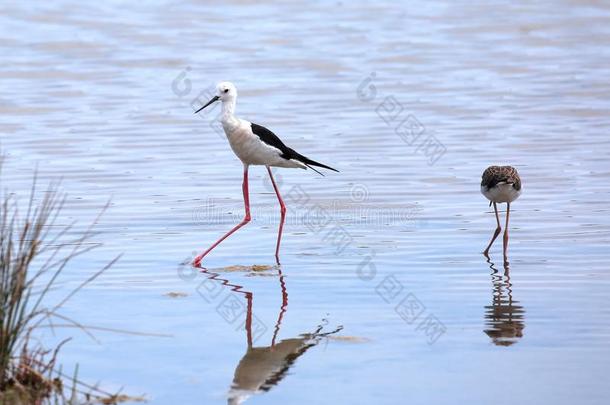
point(402, 307)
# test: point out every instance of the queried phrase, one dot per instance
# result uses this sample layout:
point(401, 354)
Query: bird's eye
point(226, 90)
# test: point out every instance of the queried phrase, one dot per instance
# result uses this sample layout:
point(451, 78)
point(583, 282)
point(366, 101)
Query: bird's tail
point(309, 163)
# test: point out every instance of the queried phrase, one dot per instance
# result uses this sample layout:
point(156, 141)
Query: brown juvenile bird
point(500, 184)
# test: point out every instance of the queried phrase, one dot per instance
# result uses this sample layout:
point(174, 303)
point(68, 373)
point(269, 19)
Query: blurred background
point(383, 296)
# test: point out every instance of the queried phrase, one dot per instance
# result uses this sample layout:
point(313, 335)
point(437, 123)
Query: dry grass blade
point(33, 253)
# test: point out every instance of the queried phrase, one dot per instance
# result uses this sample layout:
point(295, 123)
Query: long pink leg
point(282, 213)
point(496, 233)
point(506, 233)
point(197, 261)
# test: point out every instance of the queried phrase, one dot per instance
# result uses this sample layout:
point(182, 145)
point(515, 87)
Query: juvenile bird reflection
point(504, 317)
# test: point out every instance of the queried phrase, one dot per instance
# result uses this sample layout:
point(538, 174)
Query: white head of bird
point(226, 91)
point(227, 94)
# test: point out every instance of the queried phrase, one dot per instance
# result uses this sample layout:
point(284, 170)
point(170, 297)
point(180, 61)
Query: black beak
point(215, 98)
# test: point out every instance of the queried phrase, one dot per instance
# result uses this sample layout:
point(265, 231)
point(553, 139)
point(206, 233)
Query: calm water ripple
point(102, 96)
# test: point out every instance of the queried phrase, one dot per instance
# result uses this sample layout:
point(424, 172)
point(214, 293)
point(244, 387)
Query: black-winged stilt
point(254, 145)
point(500, 184)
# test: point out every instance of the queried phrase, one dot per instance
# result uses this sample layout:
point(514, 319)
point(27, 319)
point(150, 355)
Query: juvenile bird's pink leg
point(506, 233)
point(282, 216)
point(197, 261)
point(496, 233)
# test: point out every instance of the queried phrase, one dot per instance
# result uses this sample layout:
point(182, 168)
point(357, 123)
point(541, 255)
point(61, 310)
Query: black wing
point(271, 139)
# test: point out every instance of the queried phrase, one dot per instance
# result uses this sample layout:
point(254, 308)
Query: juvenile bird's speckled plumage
point(501, 184)
point(501, 174)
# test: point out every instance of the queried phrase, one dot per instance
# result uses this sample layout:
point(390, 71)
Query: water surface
point(383, 295)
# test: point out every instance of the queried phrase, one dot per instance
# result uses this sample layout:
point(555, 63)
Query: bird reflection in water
point(263, 367)
point(504, 317)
